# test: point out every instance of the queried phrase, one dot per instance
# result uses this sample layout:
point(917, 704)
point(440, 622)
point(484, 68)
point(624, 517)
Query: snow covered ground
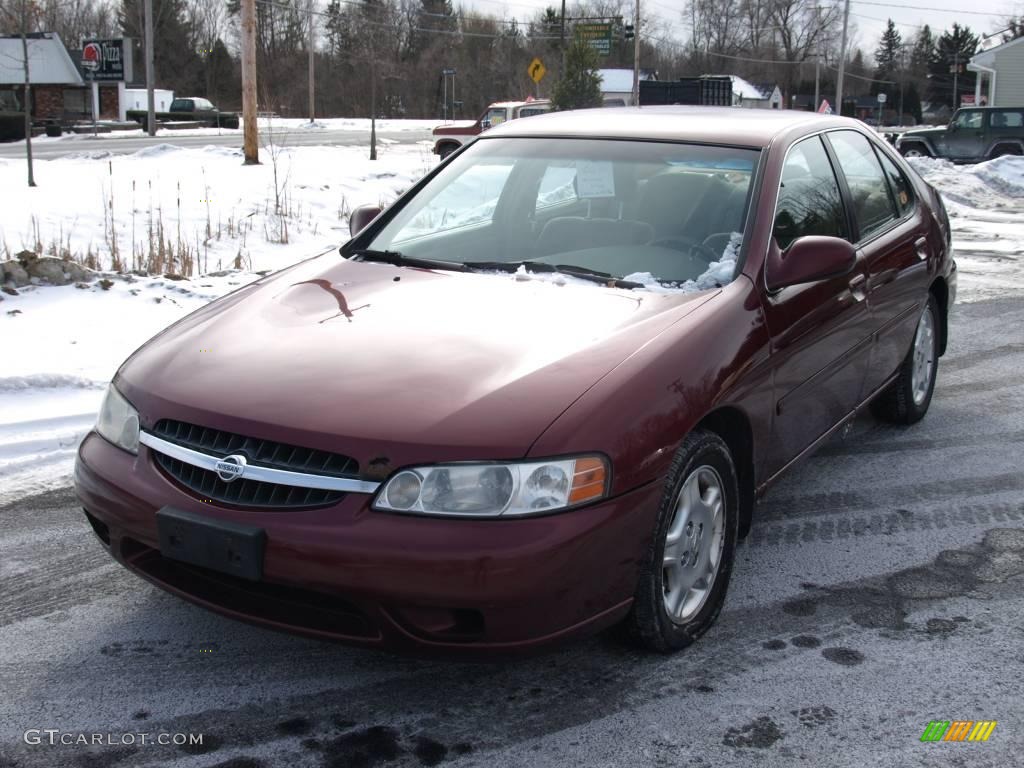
point(62, 344)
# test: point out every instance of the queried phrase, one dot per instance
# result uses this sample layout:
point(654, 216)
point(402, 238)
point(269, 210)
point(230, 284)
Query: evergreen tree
point(952, 52)
point(887, 54)
point(179, 66)
point(580, 86)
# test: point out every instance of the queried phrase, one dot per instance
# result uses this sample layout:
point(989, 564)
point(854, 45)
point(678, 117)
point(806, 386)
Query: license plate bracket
point(221, 545)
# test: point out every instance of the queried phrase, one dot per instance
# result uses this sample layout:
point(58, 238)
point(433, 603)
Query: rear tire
point(686, 573)
point(906, 400)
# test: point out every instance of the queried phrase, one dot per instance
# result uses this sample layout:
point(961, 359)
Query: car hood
point(923, 133)
point(372, 359)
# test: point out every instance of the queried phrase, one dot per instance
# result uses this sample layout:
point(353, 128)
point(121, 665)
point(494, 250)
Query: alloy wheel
point(694, 544)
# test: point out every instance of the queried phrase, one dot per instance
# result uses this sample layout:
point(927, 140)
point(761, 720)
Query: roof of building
point(48, 61)
point(621, 80)
point(986, 57)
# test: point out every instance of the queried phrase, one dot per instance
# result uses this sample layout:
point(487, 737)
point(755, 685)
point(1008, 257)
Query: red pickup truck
point(451, 136)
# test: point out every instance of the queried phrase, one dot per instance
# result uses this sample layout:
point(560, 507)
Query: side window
point(873, 206)
point(809, 199)
point(970, 119)
point(1007, 119)
point(901, 189)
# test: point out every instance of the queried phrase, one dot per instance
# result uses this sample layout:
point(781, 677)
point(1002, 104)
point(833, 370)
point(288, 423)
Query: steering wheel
point(682, 243)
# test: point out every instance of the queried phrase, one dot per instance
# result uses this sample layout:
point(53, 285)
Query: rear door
point(891, 235)
point(820, 331)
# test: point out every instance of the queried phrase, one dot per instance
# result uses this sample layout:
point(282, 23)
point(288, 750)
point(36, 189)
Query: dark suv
point(974, 134)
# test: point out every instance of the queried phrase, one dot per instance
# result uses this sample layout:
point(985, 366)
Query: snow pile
point(1005, 173)
point(48, 381)
point(984, 205)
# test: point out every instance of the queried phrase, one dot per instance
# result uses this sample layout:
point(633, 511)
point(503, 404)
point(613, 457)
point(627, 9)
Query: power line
point(925, 8)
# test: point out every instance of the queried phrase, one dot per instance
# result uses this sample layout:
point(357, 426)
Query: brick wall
point(47, 101)
point(108, 102)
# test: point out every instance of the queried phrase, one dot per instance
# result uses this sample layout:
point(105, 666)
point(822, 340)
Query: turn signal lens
point(588, 480)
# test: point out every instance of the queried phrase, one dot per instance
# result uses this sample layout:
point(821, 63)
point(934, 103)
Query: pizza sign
point(109, 60)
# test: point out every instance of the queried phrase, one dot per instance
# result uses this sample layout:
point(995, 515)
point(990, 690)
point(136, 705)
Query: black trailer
point(707, 90)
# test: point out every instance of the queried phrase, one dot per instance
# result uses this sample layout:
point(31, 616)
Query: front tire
point(906, 400)
point(914, 149)
point(685, 576)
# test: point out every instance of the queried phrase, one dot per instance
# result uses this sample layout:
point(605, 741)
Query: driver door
point(965, 137)
point(820, 331)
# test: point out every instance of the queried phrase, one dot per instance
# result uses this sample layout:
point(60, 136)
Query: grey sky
point(983, 17)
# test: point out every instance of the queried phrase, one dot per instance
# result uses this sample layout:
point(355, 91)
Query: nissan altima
point(540, 394)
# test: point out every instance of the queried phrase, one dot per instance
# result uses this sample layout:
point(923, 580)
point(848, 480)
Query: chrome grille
point(206, 485)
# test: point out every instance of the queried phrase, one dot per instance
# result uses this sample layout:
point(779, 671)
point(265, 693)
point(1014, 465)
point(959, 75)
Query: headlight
point(493, 490)
point(118, 421)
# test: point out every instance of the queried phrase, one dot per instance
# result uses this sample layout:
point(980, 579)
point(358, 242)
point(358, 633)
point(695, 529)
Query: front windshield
point(645, 211)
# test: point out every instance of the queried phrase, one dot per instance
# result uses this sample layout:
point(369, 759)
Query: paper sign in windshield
point(594, 178)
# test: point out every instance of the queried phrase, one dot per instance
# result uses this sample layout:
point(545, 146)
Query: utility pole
point(250, 135)
point(842, 59)
point(817, 60)
point(312, 83)
point(150, 99)
point(636, 55)
point(27, 106)
point(562, 40)
point(956, 82)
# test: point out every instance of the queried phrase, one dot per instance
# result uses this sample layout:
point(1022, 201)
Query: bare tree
point(21, 13)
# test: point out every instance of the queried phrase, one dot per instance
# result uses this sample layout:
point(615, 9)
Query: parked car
point(537, 396)
point(449, 137)
point(191, 109)
point(974, 134)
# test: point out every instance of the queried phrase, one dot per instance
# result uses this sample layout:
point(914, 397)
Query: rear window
point(1008, 119)
point(902, 191)
point(873, 206)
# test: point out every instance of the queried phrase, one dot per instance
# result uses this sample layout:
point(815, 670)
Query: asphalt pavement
point(123, 145)
point(880, 589)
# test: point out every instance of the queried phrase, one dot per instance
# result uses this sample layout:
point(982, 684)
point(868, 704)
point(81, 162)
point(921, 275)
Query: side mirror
point(485, 125)
point(953, 127)
point(808, 259)
point(360, 217)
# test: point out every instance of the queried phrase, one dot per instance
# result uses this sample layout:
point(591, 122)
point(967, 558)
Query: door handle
point(858, 284)
point(921, 246)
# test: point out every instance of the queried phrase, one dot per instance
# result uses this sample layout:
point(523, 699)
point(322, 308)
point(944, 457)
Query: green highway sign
point(597, 35)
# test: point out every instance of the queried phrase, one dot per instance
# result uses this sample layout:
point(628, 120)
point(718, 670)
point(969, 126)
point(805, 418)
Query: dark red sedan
point(541, 393)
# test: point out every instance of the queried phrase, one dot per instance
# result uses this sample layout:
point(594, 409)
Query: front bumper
point(402, 582)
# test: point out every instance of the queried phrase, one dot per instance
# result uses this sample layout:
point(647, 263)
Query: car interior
point(626, 215)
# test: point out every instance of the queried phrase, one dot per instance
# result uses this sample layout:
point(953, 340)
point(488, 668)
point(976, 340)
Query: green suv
point(974, 134)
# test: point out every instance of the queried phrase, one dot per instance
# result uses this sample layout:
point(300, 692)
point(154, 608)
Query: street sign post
point(537, 70)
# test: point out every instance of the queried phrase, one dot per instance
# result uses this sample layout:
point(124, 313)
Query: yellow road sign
point(537, 70)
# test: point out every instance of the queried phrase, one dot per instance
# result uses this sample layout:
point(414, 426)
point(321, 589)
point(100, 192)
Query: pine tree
point(887, 54)
point(953, 50)
point(580, 86)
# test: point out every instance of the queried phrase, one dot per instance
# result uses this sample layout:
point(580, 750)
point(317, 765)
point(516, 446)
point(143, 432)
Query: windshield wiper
point(584, 273)
point(399, 259)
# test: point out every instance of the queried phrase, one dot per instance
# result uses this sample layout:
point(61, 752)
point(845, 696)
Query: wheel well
point(1014, 145)
point(940, 291)
point(441, 145)
point(917, 143)
point(732, 425)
